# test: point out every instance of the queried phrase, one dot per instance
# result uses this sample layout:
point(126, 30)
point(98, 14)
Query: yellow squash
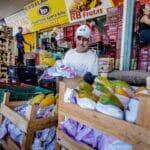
point(48, 100)
point(121, 91)
point(37, 99)
point(90, 95)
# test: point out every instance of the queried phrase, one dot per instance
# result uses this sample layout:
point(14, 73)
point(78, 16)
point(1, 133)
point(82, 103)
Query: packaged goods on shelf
point(106, 64)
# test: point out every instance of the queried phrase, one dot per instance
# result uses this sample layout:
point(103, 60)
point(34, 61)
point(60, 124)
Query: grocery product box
point(106, 65)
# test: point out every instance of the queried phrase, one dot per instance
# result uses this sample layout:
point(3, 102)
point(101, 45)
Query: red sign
point(79, 10)
point(117, 2)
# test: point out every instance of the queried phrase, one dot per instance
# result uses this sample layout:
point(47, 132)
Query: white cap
point(84, 31)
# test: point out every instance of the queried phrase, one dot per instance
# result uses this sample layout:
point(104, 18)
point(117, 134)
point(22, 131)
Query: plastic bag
point(3, 131)
point(119, 145)
point(86, 103)
point(110, 110)
point(16, 134)
point(131, 110)
point(37, 145)
point(92, 138)
point(70, 127)
point(69, 96)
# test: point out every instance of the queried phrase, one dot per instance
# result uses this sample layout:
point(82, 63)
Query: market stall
point(104, 109)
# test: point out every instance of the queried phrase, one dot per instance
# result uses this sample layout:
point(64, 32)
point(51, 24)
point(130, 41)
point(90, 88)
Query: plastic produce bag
point(119, 145)
point(70, 127)
point(37, 145)
point(15, 133)
point(110, 110)
point(22, 109)
point(82, 131)
point(45, 112)
point(86, 103)
point(43, 134)
point(104, 141)
point(3, 131)
point(50, 146)
point(131, 110)
point(69, 96)
point(91, 138)
point(45, 139)
point(51, 134)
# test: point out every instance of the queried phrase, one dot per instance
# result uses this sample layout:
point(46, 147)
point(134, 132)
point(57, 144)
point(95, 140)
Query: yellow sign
point(46, 13)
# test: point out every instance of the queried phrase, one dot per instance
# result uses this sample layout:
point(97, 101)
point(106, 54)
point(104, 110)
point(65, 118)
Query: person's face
point(54, 34)
point(147, 9)
point(82, 44)
point(20, 30)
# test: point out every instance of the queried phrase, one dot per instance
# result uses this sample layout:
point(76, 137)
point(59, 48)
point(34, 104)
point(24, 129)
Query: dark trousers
point(145, 36)
point(20, 56)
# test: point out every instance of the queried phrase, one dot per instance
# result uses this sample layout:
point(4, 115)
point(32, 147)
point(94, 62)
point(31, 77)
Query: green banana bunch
point(107, 83)
point(84, 94)
point(119, 83)
point(84, 86)
point(100, 87)
point(111, 99)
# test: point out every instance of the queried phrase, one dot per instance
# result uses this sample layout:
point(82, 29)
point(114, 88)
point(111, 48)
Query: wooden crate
point(69, 143)
point(29, 124)
point(136, 134)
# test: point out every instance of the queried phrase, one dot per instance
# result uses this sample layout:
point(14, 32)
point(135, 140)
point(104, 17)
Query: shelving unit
point(6, 56)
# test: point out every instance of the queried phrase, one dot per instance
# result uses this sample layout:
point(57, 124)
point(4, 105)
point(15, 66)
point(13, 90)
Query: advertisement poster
point(79, 10)
point(19, 20)
point(46, 13)
point(116, 2)
point(2, 22)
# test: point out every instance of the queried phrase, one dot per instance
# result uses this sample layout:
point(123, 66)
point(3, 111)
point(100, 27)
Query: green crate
point(17, 88)
point(20, 94)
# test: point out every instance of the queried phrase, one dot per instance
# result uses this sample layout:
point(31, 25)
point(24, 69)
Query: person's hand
point(136, 28)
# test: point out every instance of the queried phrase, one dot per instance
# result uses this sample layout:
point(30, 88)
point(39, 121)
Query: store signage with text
point(46, 13)
point(116, 2)
point(79, 10)
point(19, 20)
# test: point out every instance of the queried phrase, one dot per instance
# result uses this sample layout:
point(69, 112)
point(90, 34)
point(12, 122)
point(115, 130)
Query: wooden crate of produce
point(69, 143)
point(137, 134)
point(29, 124)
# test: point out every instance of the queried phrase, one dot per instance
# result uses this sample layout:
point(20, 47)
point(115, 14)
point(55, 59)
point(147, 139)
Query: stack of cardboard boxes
point(114, 29)
point(6, 55)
